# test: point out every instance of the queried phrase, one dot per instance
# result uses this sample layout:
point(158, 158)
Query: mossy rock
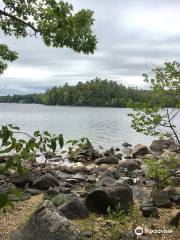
point(61, 199)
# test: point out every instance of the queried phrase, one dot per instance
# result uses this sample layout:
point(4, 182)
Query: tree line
point(96, 92)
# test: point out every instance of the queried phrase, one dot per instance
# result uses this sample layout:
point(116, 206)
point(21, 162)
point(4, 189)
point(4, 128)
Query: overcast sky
point(133, 36)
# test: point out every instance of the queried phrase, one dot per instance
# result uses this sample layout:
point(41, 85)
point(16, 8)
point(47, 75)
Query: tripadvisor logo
point(139, 231)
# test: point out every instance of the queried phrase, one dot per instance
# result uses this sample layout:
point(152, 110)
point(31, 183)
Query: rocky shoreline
point(115, 179)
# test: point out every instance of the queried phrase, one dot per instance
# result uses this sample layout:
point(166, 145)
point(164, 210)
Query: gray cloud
point(133, 36)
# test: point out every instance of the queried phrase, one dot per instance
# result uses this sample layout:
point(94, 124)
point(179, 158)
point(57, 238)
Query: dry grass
point(19, 215)
point(109, 227)
point(102, 227)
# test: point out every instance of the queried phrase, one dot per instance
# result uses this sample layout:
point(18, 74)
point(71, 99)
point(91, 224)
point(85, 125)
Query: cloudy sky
point(133, 36)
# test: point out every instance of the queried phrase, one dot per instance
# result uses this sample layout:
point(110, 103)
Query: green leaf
point(18, 147)
point(3, 199)
point(37, 134)
point(61, 140)
point(53, 144)
point(9, 163)
point(46, 133)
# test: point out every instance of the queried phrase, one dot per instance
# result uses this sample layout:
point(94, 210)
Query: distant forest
point(96, 92)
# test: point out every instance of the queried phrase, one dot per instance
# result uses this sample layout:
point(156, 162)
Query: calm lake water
point(103, 126)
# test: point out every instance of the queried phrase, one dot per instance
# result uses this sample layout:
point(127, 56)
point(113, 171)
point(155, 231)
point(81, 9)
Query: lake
point(103, 126)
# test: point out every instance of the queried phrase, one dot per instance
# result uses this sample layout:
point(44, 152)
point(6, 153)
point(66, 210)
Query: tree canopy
point(96, 92)
point(157, 116)
point(53, 21)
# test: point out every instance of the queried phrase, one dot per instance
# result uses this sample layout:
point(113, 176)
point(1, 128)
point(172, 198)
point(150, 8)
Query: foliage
point(161, 171)
point(22, 151)
point(96, 92)
point(76, 146)
point(123, 220)
point(156, 117)
point(53, 21)
point(6, 56)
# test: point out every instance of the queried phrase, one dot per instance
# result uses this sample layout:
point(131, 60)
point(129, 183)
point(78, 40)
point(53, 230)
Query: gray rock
point(6, 187)
point(139, 150)
point(117, 149)
point(125, 144)
point(91, 179)
point(175, 199)
point(148, 209)
point(161, 199)
point(115, 173)
point(62, 175)
point(107, 181)
point(139, 193)
point(21, 181)
point(124, 180)
point(74, 209)
point(79, 177)
point(65, 190)
point(109, 152)
point(46, 224)
point(32, 191)
point(53, 191)
point(97, 201)
point(129, 164)
point(161, 144)
point(107, 160)
point(45, 181)
point(120, 197)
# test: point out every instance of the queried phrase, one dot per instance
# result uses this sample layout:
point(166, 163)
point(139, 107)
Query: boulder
point(124, 181)
point(149, 210)
point(175, 198)
point(115, 173)
point(107, 160)
point(139, 193)
point(21, 181)
point(120, 197)
point(100, 200)
point(97, 201)
point(125, 144)
point(32, 191)
point(91, 179)
point(61, 198)
point(129, 164)
point(161, 199)
point(109, 152)
point(106, 181)
point(161, 144)
point(53, 191)
point(79, 177)
point(46, 224)
point(45, 181)
point(139, 150)
point(6, 187)
point(74, 209)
